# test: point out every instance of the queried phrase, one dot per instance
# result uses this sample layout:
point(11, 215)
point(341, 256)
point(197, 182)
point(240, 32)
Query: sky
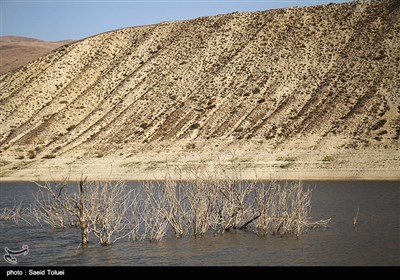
point(55, 20)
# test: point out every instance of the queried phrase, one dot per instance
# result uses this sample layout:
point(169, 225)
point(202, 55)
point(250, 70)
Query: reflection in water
point(375, 240)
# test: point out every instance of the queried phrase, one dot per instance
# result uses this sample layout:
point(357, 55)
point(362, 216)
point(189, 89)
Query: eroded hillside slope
point(322, 78)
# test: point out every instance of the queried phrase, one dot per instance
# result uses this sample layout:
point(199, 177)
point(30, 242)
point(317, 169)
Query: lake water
point(375, 240)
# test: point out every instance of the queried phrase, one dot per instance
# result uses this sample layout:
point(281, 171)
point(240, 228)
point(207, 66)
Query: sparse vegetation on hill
point(322, 78)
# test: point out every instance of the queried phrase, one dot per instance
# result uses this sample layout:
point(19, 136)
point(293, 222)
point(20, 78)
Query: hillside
point(18, 51)
point(292, 93)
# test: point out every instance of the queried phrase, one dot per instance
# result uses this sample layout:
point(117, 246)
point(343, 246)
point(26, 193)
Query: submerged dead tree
point(54, 206)
point(98, 208)
point(79, 202)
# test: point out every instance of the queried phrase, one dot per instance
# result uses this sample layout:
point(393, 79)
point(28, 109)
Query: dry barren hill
point(17, 51)
point(291, 93)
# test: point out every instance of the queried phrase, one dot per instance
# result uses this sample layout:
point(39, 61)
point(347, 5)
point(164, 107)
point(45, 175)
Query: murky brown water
point(374, 241)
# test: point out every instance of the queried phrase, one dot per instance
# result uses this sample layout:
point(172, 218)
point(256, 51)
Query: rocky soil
point(308, 92)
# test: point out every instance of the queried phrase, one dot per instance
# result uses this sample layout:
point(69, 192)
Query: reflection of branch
point(356, 217)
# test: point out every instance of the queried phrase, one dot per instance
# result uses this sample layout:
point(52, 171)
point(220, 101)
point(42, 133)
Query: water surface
point(375, 240)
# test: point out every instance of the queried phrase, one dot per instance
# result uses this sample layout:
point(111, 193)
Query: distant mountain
point(16, 51)
point(17, 39)
point(322, 78)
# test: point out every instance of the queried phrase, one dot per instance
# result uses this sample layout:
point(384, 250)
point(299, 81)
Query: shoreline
point(160, 176)
point(255, 164)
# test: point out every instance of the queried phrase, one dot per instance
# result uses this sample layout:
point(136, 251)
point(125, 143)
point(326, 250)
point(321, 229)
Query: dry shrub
point(15, 214)
point(221, 200)
point(284, 209)
point(100, 208)
point(153, 213)
point(109, 205)
point(48, 209)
